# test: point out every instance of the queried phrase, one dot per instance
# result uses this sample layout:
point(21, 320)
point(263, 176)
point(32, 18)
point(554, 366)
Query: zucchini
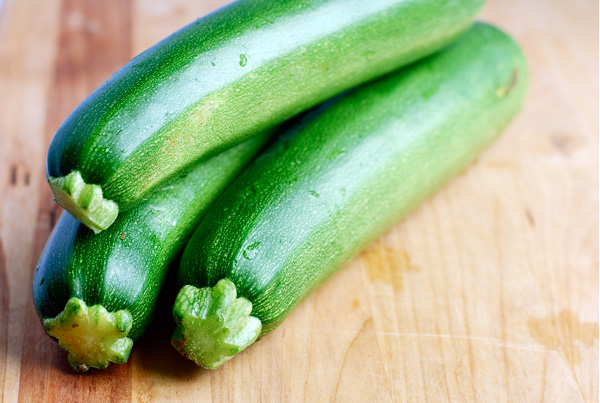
point(96, 293)
point(333, 183)
point(225, 77)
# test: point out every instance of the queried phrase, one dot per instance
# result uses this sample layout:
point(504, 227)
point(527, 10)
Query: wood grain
point(488, 292)
point(94, 41)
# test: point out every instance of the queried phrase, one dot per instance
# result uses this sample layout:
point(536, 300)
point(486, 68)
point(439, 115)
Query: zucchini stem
point(84, 201)
point(93, 336)
point(212, 324)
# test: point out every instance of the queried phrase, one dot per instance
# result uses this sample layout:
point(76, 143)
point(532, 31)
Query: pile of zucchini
point(270, 142)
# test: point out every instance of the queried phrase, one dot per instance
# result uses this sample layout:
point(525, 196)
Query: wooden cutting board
point(488, 292)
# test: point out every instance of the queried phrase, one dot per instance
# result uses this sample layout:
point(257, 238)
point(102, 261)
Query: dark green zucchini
point(333, 183)
point(225, 77)
point(96, 293)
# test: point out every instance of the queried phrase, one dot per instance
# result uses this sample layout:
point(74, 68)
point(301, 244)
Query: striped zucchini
point(96, 293)
point(333, 183)
point(225, 77)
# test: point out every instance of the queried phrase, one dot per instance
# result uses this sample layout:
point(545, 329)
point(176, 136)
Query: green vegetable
point(224, 78)
point(96, 293)
point(336, 181)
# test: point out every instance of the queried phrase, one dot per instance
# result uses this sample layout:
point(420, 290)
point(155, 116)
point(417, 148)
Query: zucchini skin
point(240, 70)
point(351, 169)
point(123, 267)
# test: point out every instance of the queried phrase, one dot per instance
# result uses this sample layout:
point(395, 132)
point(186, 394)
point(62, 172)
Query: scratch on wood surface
point(496, 342)
point(362, 328)
point(490, 341)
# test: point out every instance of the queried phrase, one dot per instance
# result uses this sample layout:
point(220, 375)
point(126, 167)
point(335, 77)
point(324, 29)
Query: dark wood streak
point(13, 175)
point(530, 218)
point(54, 214)
point(94, 42)
point(4, 298)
